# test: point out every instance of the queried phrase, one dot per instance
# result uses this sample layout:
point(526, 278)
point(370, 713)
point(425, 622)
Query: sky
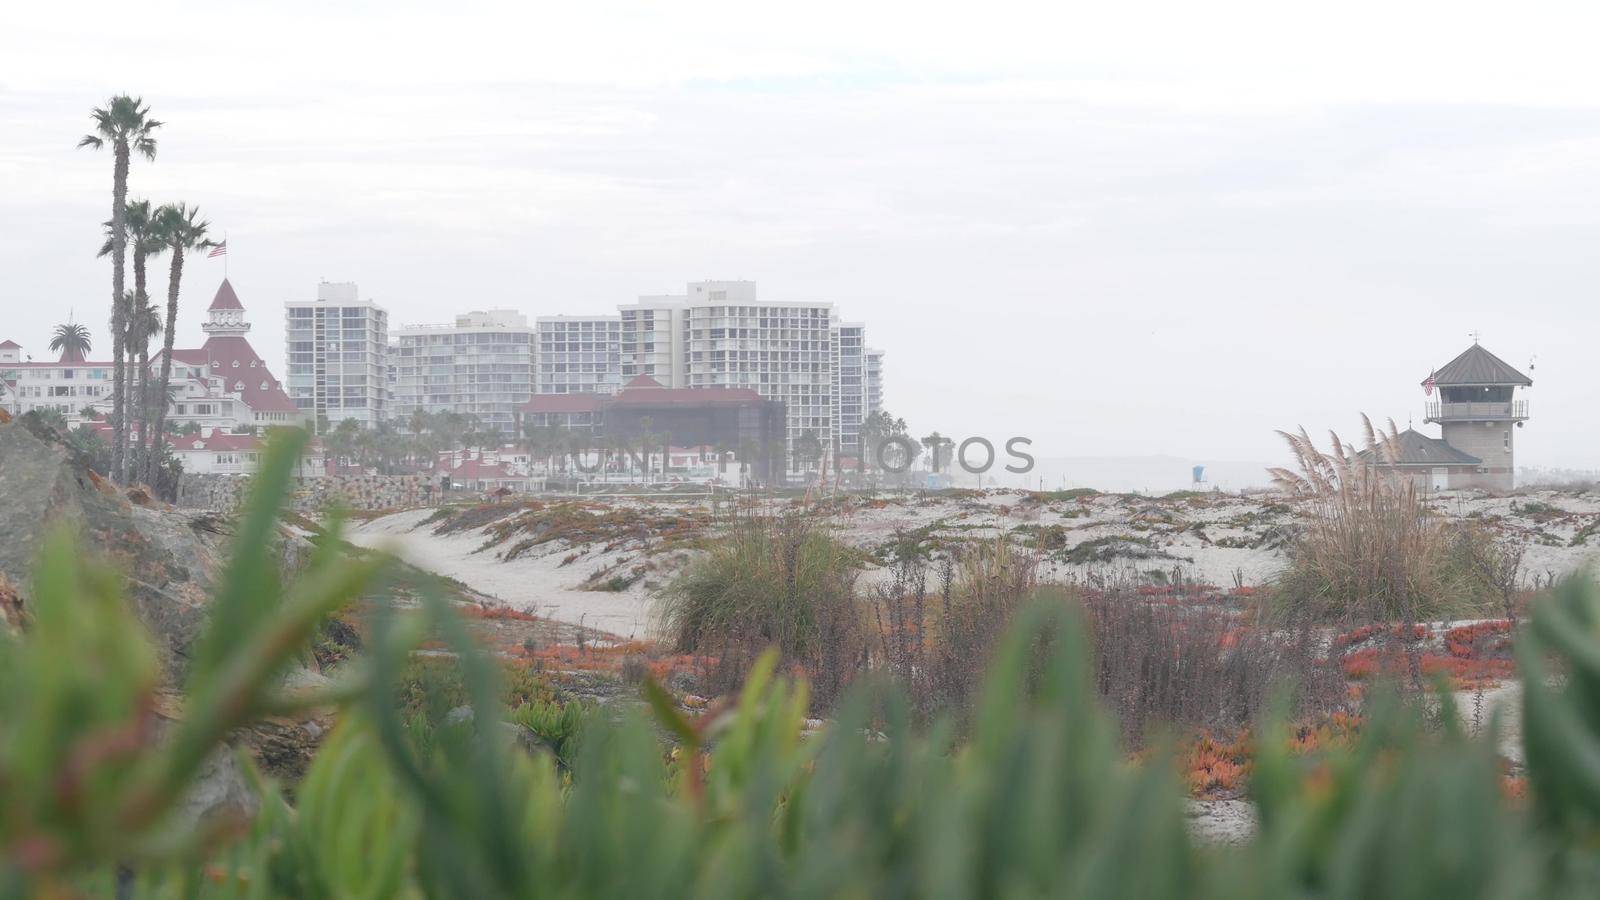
point(1118, 229)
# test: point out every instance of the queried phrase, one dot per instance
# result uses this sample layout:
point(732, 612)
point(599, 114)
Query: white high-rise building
point(718, 334)
point(338, 346)
point(784, 351)
point(481, 365)
point(577, 355)
point(874, 386)
point(652, 339)
point(849, 384)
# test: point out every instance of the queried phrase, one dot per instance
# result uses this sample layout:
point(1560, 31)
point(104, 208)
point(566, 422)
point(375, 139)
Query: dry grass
point(937, 643)
point(1163, 661)
point(1370, 548)
point(1176, 655)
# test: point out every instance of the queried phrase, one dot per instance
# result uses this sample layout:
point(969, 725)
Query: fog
point(1158, 230)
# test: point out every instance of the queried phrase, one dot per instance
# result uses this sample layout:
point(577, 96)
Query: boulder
point(170, 564)
point(171, 560)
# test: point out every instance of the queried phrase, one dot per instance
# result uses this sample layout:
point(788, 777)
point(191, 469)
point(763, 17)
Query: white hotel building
point(874, 385)
point(338, 357)
point(70, 385)
point(223, 384)
point(482, 365)
point(577, 355)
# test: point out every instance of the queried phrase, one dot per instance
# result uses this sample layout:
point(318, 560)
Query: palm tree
point(124, 123)
point(564, 444)
point(180, 231)
point(539, 443)
point(51, 417)
point(140, 233)
point(72, 340)
point(144, 323)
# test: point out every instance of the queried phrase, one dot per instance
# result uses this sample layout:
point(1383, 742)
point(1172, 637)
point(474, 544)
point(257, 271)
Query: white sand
point(1182, 534)
point(537, 583)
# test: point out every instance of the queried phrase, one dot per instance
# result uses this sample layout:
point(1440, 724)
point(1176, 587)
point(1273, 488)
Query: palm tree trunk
point(136, 393)
point(173, 281)
point(119, 242)
point(144, 474)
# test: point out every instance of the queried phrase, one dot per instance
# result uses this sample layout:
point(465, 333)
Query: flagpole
point(224, 256)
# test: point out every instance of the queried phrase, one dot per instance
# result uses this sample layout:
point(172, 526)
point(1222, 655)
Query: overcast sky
point(1117, 228)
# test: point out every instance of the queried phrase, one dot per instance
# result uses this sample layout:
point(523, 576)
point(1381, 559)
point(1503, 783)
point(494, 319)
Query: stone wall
point(224, 493)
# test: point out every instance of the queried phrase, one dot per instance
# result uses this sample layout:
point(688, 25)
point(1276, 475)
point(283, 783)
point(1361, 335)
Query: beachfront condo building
point(480, 365)
point(653, 332)
point(338, 357)
point(717, 334)
point(577, 355)
point(850, 385)
point(874, 387)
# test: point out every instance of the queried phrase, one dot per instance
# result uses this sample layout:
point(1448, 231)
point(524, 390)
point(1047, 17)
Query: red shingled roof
point(562, 403)
point(76, 364)
point(10, 345)
point(702, 396)
point(477, 470)
point(230, 357)
point(217, 441)
point(223, 351)
point(226, 298)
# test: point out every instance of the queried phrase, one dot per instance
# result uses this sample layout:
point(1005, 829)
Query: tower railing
point(1510, 410)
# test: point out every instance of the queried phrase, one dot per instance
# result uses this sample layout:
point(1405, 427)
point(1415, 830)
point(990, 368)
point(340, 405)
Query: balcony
point(1512, 411)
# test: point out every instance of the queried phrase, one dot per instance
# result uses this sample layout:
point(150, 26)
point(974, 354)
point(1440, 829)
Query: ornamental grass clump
point(776, 582)
point(1370, 549)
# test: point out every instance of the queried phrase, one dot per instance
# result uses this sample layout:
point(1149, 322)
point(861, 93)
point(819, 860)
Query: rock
point(171, 560)
point(219, 792)
point(284, 747)
point(170, 565)
point(1221, 822)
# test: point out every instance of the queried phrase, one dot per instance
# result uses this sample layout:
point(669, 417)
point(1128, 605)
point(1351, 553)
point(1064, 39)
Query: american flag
point(219, 250)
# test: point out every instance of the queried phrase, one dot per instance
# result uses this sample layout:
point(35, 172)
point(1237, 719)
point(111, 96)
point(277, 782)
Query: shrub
point(936, 645)
point(1159, 664)
point(771, 582)
point(555, 726)
point(1038, 799)
point(432, 685)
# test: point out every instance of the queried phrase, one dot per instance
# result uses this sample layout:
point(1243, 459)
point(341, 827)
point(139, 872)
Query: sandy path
point(538, 584)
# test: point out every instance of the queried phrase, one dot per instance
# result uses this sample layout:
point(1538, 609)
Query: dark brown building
point(739, 420)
